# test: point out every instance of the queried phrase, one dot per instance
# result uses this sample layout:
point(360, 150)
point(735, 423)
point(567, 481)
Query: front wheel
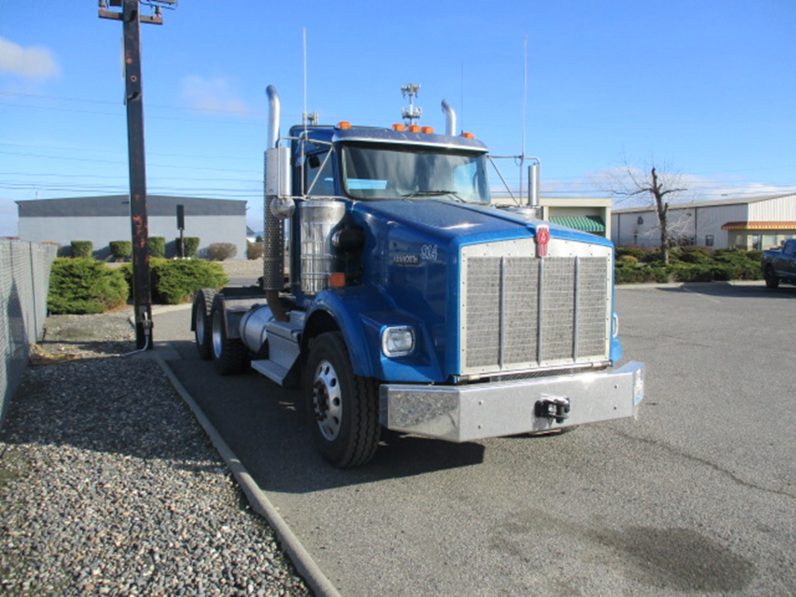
point(772, 281)
point(343, 406)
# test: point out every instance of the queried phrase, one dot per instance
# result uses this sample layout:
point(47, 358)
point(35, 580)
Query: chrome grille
point(520, 312)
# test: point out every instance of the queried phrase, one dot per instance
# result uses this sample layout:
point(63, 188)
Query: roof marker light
point(467, 135)
point(414, 128)
point(344, 125)
point(400, 128)
point(428, 130)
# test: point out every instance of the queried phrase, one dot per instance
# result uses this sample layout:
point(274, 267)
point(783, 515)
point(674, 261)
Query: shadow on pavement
point(725, 290)
point(268, 429)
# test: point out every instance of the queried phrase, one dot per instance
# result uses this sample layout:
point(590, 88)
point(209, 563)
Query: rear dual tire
point(202, 322)
point(230, 356)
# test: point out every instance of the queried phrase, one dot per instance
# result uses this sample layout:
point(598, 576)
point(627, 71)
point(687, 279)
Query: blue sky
point(704, 89)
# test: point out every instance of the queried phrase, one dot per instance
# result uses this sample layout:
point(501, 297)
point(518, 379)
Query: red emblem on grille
point(542, 238)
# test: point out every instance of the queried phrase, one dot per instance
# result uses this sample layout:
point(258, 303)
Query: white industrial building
point(102, 220)
point(752, 223)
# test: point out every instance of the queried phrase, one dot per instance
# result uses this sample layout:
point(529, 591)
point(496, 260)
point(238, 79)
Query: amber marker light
point(337, 280)
point(428, 130)
point(414, 128)
point(468, 135)
point(400, 128)
point(344, 125)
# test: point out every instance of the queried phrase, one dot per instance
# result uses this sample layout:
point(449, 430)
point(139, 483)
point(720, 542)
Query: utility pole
point(131, 17)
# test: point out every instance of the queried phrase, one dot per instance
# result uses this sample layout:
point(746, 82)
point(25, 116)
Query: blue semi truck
point(396, 295)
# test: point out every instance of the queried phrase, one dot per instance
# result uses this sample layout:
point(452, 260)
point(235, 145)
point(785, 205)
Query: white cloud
point(32, 62)
point(212, 94)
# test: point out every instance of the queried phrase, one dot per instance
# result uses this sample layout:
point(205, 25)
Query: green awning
point(585, 223)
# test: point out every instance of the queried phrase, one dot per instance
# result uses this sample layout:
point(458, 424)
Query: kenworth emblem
point(406, 259)
point(542, 238)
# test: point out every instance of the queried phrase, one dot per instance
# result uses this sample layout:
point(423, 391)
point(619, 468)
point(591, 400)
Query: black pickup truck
point(779, 265)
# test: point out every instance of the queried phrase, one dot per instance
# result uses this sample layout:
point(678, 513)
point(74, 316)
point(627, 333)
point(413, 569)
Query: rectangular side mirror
point(277, 172)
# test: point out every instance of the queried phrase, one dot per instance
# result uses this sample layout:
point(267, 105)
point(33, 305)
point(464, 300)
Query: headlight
point(398, 341)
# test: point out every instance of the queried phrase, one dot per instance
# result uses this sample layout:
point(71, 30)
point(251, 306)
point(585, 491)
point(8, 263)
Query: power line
point(122, 162)
point(226, 156)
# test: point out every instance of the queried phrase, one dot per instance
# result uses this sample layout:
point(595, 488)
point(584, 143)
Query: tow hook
point(553, 407)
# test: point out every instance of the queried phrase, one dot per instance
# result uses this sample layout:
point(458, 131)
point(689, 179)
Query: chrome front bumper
point(477, 411)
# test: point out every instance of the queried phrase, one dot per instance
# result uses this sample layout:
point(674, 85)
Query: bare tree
point(657, 187)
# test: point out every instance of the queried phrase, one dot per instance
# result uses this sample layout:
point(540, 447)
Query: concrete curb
point(654, 285)
point(301, 558)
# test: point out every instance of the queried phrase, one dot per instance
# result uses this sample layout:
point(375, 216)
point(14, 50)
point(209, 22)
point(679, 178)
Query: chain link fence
point(24, 282)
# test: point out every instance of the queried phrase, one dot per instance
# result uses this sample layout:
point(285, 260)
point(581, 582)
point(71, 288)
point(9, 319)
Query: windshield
point(390, 172)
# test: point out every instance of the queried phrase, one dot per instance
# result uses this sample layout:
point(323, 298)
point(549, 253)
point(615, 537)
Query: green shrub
point(254, 250)
point(691, 272)
point(176, 281)
point(121, 249)
point(221, 251)
point(696, 255)
point(82, 248)
point(83, 285)
point(754, 255)
point(629, 275)
point(190, 243)
point(156, 245)
point(734, 264)
point(653, 256)
point(691, 265)
point(640, 274)
point(626, 260)
point(638, 252)
point(737, 270)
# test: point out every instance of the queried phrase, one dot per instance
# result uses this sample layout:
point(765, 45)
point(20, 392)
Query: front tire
point(772, 281)
point(202, 325)
point(343, 406)
point(230, 356)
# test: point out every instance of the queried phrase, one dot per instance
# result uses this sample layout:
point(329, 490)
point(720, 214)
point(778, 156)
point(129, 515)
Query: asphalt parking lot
point(698, 494)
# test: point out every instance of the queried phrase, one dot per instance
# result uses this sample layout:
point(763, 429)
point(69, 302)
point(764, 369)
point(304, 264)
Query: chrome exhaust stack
point(450, 118)
point(274, 115)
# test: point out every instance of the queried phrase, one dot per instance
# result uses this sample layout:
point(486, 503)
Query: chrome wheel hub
point(327, 400)
point(217, 338)
point(199, 325)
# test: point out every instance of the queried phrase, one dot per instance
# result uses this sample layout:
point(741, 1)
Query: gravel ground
point(109, 486)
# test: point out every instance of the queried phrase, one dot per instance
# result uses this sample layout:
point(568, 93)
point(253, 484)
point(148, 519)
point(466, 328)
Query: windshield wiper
point(429, 193)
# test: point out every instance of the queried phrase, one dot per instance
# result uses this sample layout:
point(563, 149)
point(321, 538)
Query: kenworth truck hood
point(465, 223)
point(413, 253)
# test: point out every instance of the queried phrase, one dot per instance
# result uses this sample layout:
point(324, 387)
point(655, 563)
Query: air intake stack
point(277, 185)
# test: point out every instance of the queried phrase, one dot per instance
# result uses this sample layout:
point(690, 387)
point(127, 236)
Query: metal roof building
point(750, 223)
point(107, 218)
